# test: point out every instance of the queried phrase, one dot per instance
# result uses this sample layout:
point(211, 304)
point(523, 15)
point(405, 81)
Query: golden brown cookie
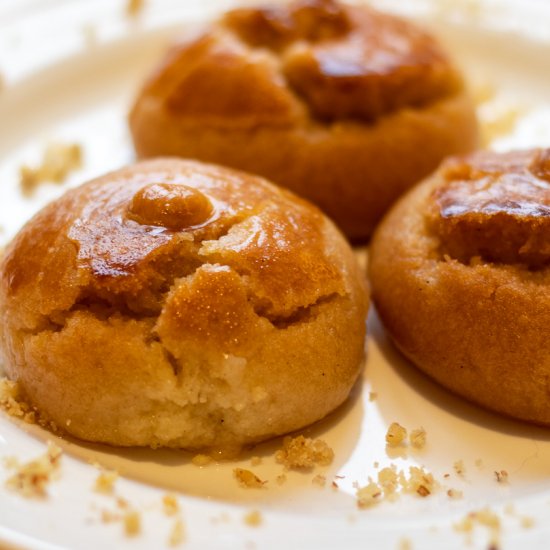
point(179, 304)
point(460, 272)
point(344, 105)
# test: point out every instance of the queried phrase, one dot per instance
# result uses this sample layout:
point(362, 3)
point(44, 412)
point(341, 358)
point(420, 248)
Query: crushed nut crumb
point(248, 479)
point(11, 401)
point(32, 478)
point(319, 480)
point(304, 453)
point(109, 517)
point(253, 518)
point(501, 476)
point(177, 533)
point(368, 495)
point(459, 467)
point(418, 438)
point(132, 523)
point(58, 160)
point(122, 503)
point(105, 482)
point(396, 434)
point(170, 505)
point(484, 518)
point(527, 522)
point(134, 7)
point(390, 482)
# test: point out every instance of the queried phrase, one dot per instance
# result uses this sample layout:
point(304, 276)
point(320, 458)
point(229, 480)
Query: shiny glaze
point(496, 207)
point(171, 206)
point(348, 61)
point(87, 248)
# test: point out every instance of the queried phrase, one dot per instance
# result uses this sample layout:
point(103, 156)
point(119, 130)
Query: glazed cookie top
point(311, 59)
point(127, 242)
point(495, 207)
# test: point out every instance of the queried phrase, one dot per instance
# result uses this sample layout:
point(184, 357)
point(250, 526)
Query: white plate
point(71, 69)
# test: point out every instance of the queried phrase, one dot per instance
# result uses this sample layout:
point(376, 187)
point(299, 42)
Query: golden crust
point(344, 105)
point(124, 326)
point(476, 319)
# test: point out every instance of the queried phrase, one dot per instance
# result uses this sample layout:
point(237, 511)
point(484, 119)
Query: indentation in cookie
point(275, 27)
point(382, 65)
point(317, 58)
point(496, 207)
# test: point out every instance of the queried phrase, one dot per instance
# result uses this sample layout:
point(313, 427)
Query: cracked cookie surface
point(461, 279)
point(179, 304)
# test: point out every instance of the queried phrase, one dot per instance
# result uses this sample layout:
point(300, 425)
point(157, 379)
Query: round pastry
point(460, 272)
point(344, 105)
point(178, 304)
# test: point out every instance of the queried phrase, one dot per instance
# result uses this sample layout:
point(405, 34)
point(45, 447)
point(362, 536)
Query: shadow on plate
point(445, 399)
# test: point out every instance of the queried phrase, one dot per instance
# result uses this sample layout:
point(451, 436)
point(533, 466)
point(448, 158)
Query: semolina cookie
point(460, 272)
point(178, 304)
point(344, 105)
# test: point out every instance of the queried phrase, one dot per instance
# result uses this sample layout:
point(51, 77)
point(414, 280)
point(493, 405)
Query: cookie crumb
point(454, 494)
point(404, 544)
point(459, 467)
point(170, 505)
point(58, 160)
point(253, 518)
point(319, 480)
point(527, 522)
point(134, 7)
point(105, 482)
point(368, 495)
point(396, 434)
point(388, 480)
point(132, 523)
point(418, 438)
point(501, 476)
point(420, 482)
point(248, 479)
point(372, 396)
point(303, 453)
point(32, 478)
point(177, 533)
point(109, 517)
point(484, 518)
point(255, 460)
